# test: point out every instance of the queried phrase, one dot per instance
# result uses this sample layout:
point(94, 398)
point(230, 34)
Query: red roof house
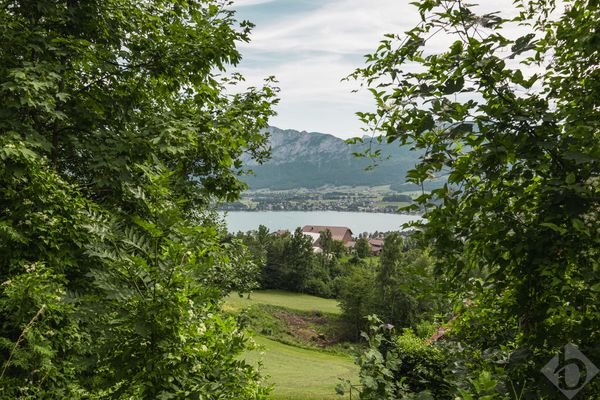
point(340, 233)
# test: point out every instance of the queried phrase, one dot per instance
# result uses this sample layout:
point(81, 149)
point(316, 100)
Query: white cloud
point(247, 3)
point(310, 49)
point(342, 26)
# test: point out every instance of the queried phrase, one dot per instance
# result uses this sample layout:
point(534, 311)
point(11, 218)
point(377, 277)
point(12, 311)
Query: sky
point(311, 45)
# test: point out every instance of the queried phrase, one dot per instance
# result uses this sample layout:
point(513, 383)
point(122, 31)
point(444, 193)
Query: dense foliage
point(399, 287)
point(396, 366)
point(513, 120)
point(116, 132)
point(362, 247)
point(288, 261)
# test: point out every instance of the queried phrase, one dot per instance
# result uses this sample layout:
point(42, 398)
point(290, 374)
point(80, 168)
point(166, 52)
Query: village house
point(315, 241)
point(376, 246)
point(340, 233)
point(350, 245)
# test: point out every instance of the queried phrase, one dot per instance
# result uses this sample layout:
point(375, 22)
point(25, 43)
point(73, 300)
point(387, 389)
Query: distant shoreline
point(358, 222)
point(418, 214)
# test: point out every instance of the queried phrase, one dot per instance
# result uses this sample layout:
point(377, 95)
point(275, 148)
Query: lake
point(358, 222)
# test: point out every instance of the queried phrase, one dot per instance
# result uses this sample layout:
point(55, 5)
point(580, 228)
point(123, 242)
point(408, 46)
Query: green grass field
point(297, 373)
point(301, 374)
point(397, 204)
point(280, 298)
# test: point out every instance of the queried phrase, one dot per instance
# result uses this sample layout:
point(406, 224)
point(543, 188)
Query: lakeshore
point(358, 222)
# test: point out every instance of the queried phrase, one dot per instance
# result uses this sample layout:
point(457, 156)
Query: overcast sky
point(310, 45)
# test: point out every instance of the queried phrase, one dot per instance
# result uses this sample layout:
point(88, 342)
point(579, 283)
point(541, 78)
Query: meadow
point(281, 298)
point(297, 369)
point(301, 374)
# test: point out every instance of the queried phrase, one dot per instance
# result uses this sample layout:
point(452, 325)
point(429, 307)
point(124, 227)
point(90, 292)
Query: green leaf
point(425, 124)
point(554, 227)
point(522, 44)
point(454, 85)
point(579, 158)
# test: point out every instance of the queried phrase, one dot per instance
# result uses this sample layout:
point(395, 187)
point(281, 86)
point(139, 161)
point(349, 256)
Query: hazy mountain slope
point(311, 159)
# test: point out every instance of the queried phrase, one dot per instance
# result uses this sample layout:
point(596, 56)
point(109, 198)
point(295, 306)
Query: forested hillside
point(312, 159)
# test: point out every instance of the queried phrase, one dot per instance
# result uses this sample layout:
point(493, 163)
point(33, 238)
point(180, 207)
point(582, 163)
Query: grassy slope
point(297, 373)
point(301, 374)
point(280, 298)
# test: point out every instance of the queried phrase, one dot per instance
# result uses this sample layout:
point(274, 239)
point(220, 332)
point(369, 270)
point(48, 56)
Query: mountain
point(312, 159)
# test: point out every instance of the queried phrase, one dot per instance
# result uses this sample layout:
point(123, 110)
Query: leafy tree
point(398, 366)
point(327, 259)
point(116, 132)
point(395, 304)
point(356, 297)
point(401, 289)
point(163, 320)
point(272, 274)
point(514, 124)
point(300, 261)
point(327, 266)
point(290, 262)
point(257, 243)
point(263, 236)
point(331, 247)
point(362, 247)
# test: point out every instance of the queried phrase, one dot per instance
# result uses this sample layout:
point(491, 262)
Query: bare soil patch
point(306, 327)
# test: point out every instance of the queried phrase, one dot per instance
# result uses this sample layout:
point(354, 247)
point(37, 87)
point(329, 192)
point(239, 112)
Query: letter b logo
point(570, 370)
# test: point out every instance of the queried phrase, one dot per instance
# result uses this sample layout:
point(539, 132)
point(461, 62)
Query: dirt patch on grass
point(306, 327)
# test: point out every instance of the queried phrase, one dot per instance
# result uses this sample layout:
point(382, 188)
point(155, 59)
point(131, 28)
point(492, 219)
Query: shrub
point(398, 367)
point(318, 287)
